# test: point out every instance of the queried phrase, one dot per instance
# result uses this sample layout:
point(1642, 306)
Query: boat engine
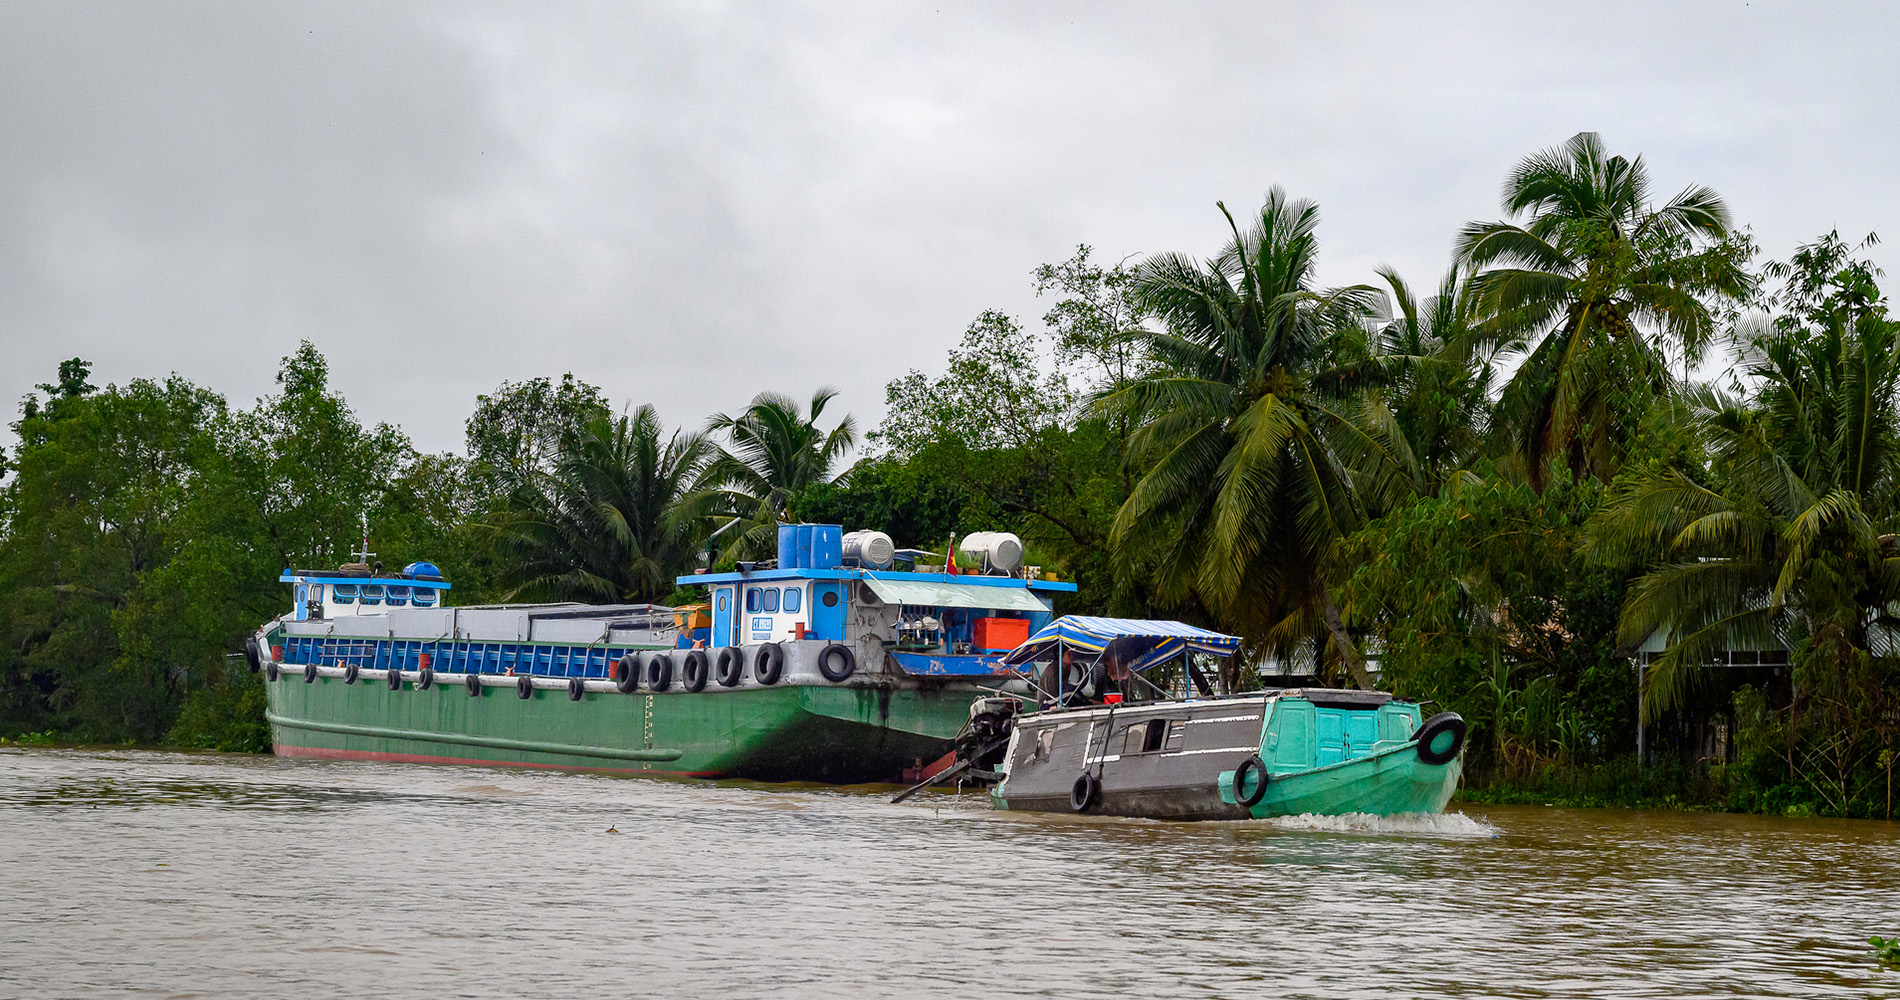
point(984, 741)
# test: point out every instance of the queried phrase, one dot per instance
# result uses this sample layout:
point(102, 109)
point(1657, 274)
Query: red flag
point(950, 557)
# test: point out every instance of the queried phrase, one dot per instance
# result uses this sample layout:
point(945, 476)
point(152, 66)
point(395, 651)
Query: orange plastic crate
point(1000, 633)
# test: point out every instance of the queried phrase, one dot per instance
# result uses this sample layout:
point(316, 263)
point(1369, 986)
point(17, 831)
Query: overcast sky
point(687, 204)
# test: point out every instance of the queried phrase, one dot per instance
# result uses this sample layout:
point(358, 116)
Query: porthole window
point(792, 598)
point(752, 600)
point(830, 600)
point(722, 600)
point(771, 599)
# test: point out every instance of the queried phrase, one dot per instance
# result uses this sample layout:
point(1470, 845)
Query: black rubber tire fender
point(731, 666)
point(847, 662)
point(271, 673)
point(425, 678)
point(660, 672)
point(310, 673)
point(252, 655)
point(1257, 767)
point(474, 684)
point(693, 670)
point(576, 688)
point(395, 679)
point(524, 687)
point(768, 663)
point(1436, 726)
point(350, 672)
point(1084, 792)
point(627, 673)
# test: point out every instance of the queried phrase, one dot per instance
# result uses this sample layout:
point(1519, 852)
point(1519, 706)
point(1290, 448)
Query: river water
point(176, 875)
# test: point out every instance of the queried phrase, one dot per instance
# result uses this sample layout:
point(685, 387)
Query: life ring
point(1258, 768)
point(846, 662)
point(1084, 792)
point(349, 673)
point(252, 655)
point(425, 678)
point(395, 679)
point(270, 670)
point(660, 672)
point(474, 684)
point(768, 663)
point(575, 688)
point(731, 666)
point(1433, 747)
point(524, 687)
point(693, 671)
point(310, 672)
point(627, 674)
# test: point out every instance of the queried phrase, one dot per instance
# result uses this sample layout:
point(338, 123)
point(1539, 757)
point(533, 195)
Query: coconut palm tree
point(1247, 432)
point(1596, 286)
point(1432, 401)
point(612, 521)
point(1787, 539)
point(773, 451)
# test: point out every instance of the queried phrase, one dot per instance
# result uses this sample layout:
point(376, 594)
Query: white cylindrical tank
point(872, 549)
point(1001, 551)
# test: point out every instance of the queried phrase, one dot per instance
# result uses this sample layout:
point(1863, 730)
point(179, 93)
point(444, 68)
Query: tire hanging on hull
point(768, 663)
point(694, 670)
point(731, 666)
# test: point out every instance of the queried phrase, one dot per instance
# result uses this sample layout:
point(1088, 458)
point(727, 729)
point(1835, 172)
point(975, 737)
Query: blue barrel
point(827, 546)
point(804, 546)
point(788, 546)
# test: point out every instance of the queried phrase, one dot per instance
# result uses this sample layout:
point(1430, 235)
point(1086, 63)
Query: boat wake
point(1456, 825)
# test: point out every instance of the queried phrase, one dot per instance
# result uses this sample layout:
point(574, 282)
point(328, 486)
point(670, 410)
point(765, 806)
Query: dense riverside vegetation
point(1514, 497)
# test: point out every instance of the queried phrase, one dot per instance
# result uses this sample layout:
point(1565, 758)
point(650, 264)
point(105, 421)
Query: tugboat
point(826, 664)
point(1128, 723)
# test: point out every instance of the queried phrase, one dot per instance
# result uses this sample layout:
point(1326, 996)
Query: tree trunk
point(1355, 664)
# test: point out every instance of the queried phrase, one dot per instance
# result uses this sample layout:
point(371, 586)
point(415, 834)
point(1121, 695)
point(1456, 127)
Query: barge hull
point(842, 733)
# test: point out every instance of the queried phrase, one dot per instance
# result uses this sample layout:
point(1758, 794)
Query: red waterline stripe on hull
point(330, 753)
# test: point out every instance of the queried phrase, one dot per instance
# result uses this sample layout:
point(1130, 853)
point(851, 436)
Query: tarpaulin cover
point(1140, 642)
point(955, 595)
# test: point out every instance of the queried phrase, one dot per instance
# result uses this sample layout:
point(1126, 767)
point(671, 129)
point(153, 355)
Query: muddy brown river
point(172, 875)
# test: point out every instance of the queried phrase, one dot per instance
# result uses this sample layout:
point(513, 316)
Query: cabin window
point(830, 600)
point(344, 593)
point(372, 593)
point(771, 599)
point(1145, 737)
point(316, 592)
point(722, 601)
point(752, 600)
point(396, 597)
point(791, 598)
point(424, 597)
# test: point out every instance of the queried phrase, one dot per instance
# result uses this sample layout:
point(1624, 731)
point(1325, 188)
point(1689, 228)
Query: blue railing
point(454, 657)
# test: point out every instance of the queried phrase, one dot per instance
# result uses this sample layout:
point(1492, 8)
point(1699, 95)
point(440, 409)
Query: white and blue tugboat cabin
point(359, 589)
point(838, 587)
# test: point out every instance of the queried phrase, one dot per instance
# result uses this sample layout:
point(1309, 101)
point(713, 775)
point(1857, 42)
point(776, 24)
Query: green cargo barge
point(812, 668)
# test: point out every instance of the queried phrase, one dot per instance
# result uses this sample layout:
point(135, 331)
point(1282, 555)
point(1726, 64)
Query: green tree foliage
point(1598, 285)
point(519, 430)
point(1784, 537)
point(1486, 602)
point(607, 524)
point(1251, 438)
point(773, 451)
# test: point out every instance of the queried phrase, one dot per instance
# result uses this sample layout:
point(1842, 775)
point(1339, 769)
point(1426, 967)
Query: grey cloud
point(690, 203)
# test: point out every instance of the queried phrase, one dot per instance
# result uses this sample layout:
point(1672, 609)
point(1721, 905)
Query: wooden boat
point(1109, 739)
